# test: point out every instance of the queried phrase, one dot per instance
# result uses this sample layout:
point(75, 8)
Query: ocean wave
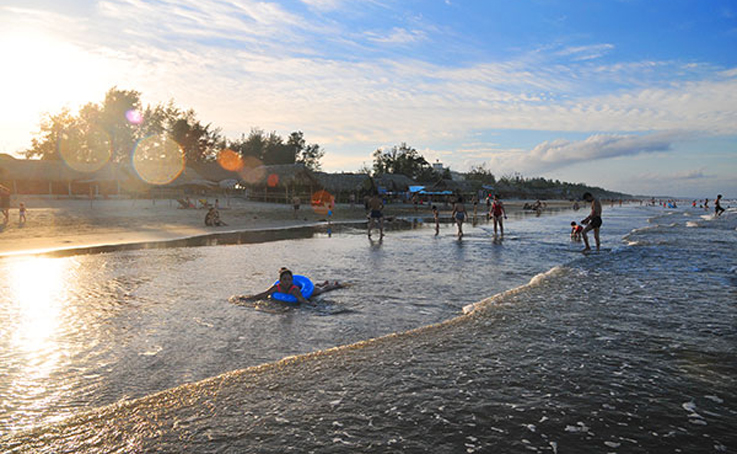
point(536, 280)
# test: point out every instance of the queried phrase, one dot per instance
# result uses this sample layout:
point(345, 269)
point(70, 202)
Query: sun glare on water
point(37, 291)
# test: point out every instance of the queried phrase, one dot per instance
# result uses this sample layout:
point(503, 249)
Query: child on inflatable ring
point(285, 286)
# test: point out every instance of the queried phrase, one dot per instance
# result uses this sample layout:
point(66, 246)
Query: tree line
point(120, 122)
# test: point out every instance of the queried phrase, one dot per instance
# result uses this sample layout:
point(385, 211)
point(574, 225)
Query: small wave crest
point(536, 280)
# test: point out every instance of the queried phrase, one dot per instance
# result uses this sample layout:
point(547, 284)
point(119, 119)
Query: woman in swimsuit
point(496, 213)
point(459, 214)
point(286, 286)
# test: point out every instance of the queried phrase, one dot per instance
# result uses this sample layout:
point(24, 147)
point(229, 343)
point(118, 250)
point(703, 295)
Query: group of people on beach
point(718, 209)
point(496, 213)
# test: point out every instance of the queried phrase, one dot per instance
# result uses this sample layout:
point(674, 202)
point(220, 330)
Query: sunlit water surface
point(630, 349)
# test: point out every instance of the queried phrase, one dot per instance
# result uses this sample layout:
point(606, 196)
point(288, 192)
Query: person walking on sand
point(296, 202)
point(498, 212)
point(592, 222)
point(21, 213)
point(718, 210)
point(459, 214)
point(376, 214)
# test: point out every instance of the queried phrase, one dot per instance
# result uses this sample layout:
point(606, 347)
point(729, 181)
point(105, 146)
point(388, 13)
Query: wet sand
point(54, 224)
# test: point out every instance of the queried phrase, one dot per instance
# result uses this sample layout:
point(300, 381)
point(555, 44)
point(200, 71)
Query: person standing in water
point(496, 213)
point(376, 213)
point(459, 214)
point(592, 221)
point(436, 218)
point(718, 210)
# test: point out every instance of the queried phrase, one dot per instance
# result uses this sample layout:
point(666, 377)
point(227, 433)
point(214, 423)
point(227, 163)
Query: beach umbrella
point(230, 183)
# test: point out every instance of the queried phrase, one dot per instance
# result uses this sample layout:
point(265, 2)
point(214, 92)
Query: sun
point(43, 73)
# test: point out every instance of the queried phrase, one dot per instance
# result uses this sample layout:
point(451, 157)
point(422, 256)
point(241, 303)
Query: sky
point(638, 96)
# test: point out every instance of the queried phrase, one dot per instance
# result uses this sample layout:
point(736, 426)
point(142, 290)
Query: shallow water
point(631, 349)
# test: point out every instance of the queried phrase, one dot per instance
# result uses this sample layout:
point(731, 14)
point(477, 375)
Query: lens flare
point(85, 152)
point(230, 160)
point(134, 117)
point(273, 180)
point(252, 172)
point(322, 202)
point(158, 159)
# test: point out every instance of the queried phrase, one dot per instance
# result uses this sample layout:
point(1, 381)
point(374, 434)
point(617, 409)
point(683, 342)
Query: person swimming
point(286, 286)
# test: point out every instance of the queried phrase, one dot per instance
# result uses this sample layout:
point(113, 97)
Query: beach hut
point(395, 185)
point(342, 185)
point(393, 182)
point(34, 176)
point(213, 171)
point(279, 183)
point(109, 180)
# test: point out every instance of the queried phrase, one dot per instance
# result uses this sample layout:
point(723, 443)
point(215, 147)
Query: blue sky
point(637, 96)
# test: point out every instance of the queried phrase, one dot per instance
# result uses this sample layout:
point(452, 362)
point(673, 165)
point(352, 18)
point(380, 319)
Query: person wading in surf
point(592, 222)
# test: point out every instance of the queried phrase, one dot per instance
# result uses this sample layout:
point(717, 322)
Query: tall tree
point(114, 119)
point(482, 174)
point(53, 127)
point(403, 160)
point(309, 155)
point(199, 142)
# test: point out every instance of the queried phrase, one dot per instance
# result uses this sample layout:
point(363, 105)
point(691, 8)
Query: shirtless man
point(592, 222)
point(376, 208)
point(718, 210)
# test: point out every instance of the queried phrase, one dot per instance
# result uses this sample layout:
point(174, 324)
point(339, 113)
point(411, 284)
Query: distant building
point(437, 166)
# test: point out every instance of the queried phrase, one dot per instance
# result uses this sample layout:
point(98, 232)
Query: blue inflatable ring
point(305, 285)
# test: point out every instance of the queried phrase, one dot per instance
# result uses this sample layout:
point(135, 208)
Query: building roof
point(279, 175)
point(394, 182)
point(344, 182)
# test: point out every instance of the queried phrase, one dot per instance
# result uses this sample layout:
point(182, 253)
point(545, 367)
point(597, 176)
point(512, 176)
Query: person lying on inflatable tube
point(295, 289)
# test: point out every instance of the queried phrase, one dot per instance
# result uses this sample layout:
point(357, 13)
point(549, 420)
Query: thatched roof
point(344, 182)
point(279, 175)
point(213, 171)
point(394, 182)
point(38, 170)
point(190, 177)
point(464, 186)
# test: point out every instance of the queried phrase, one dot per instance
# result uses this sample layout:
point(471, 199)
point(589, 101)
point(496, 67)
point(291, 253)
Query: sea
point(485, 344)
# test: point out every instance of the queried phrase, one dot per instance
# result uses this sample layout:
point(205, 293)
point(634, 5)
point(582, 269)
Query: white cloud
point(559, 153)
point(590, 52)
point(398, 36)
point(325, 5)
point(248, 63)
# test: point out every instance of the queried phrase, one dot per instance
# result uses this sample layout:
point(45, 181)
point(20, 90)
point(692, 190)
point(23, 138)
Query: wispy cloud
point(254, 63)
point(398, 36)
point(590, 52)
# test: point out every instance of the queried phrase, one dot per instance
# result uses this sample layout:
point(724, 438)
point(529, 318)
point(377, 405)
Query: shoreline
point(73, 226)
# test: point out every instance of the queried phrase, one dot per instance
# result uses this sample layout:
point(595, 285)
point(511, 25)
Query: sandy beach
point(54, 224)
